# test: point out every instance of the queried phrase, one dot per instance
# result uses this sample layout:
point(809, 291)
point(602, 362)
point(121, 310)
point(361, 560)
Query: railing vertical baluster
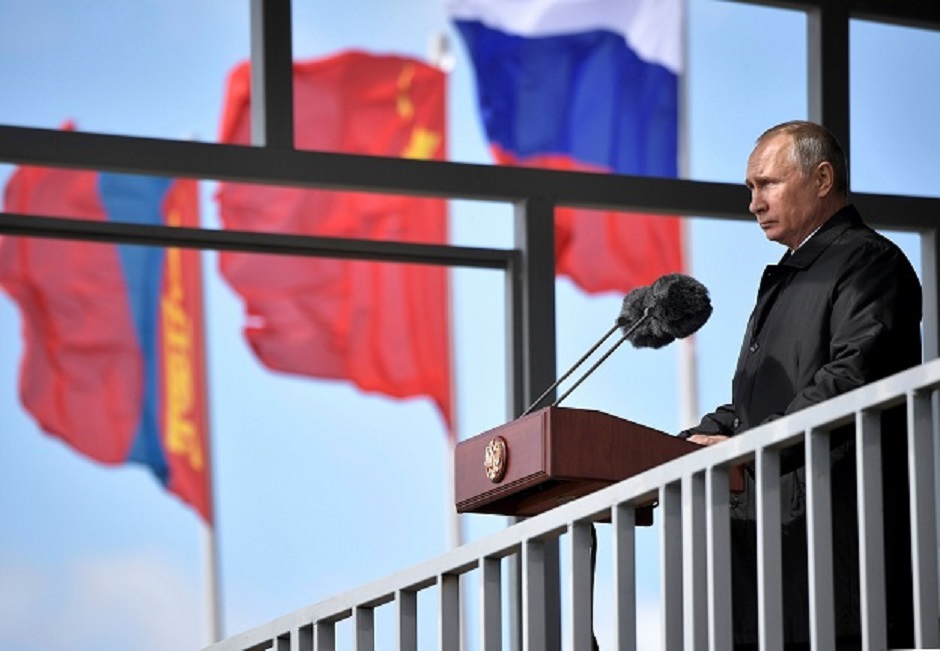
point(302, 638)
point(491, 629)
point(819, 540)
point(870, 530)
point(282, 643)
point(694, 572)
point(624, 525)
point(326, 636)
point(920, 449)
point(718, 530)
point(534, 634)
point(580, 593)
point(769, 570)
point(364, 621)
point(449, 627)
point(407, 601)
point(671, 566)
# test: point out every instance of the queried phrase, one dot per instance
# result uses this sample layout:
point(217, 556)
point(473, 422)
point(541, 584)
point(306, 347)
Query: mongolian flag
point(114, 357)
point(384, 327)
point(588, 85)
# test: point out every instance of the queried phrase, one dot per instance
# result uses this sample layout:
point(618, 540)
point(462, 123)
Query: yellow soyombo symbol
point(179, 374)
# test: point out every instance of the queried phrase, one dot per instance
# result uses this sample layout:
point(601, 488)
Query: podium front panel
point(552, 456)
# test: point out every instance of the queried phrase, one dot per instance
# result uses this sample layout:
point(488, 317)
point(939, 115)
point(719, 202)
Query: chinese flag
point(385, 327)
point(113, 334)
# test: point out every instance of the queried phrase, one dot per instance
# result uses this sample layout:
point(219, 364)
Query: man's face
point(786, 202)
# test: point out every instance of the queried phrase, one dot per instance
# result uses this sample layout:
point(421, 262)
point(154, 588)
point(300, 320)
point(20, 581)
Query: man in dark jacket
point(841, 309)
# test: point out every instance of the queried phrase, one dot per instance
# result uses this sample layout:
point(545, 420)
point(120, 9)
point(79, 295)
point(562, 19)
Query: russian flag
point(588, 85)
point(114, 361)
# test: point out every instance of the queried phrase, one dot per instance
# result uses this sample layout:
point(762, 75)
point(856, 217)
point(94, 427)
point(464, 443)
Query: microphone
point(678, 306)
point(673, 307)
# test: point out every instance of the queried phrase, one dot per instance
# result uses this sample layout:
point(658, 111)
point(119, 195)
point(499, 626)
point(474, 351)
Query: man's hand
point(707, 439)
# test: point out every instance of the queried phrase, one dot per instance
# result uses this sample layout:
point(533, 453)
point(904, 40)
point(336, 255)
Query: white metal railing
point(695, 564)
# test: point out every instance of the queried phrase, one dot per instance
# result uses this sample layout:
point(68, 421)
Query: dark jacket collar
point(846, 218)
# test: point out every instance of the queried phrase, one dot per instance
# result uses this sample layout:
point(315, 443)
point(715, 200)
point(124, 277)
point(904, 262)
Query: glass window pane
point(895, 92)
point(738, 85)
point(134, 68)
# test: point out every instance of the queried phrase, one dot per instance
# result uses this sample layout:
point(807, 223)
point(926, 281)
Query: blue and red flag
point(588, 85)
point(114, 355)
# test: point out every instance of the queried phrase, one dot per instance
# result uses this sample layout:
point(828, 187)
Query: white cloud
point(21, 600)
point(136, 600)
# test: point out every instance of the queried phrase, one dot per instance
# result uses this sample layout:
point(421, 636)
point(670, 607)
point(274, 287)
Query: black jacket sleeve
point(720, 421)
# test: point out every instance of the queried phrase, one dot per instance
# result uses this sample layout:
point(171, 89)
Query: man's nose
point(757, 204)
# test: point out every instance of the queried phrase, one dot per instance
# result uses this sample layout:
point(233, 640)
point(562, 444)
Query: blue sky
point(319, 487)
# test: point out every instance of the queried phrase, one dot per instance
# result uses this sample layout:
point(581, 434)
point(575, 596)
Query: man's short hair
point(814, 144)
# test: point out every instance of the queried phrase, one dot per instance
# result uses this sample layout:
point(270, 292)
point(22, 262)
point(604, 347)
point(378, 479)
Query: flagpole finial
point(439, 52)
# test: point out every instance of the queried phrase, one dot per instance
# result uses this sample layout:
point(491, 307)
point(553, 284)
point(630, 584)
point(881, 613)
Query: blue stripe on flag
point(139, 200)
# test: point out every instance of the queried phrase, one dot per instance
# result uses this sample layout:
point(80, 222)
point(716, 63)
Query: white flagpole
point(454, 529)
point(211, 571)
point(441, 56)
point(688, 380)
point(213, 585)
point(454, 525)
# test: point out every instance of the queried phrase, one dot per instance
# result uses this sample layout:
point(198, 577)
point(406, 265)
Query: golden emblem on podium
point(495, 458)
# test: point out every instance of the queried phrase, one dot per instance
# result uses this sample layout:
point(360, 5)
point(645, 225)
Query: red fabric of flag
point(81, 374)
point(608, 251)
point(385, 327)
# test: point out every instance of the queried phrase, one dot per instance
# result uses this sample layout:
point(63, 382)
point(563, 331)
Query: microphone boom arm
point(626, 334)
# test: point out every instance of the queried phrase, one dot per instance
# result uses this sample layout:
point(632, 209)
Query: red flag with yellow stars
point(385, 327)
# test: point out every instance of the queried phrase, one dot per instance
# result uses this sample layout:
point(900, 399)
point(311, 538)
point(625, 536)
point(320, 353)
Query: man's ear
point(824, 178)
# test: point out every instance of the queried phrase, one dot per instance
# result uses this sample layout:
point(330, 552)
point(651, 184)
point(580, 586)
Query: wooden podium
point(552, 456)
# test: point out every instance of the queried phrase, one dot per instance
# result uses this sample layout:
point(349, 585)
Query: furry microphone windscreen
point(642, 330)
point(680, 304)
